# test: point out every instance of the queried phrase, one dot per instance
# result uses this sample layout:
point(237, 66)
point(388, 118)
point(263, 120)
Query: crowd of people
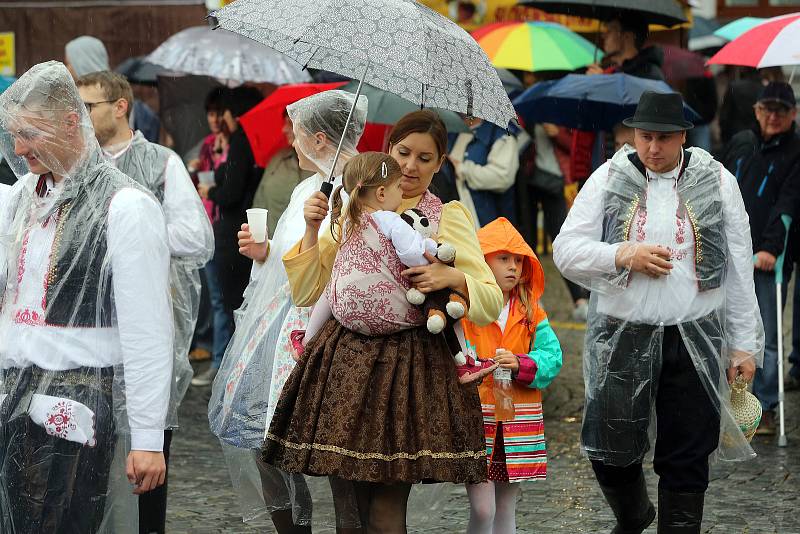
point(393, 333)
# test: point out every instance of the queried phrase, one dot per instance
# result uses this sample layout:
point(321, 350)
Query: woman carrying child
point(524, 345)
point(384, 410)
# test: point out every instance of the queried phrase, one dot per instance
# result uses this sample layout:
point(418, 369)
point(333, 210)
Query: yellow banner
point(7, 63)
point(472, 14)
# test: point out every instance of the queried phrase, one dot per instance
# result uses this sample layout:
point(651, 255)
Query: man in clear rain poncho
point(108, 98)
point(259, 358)
point(661, 237)
point(85, 322)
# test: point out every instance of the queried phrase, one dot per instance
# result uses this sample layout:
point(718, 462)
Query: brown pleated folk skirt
point(378, 409)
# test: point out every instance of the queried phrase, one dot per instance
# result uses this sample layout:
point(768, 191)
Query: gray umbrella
point(399, 46)
point(412, 50)
point(225, 56)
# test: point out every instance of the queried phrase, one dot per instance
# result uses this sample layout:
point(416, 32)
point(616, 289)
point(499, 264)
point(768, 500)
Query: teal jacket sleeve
point(543, 363)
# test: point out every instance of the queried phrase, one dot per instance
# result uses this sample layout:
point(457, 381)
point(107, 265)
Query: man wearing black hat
point(659, 233)
point(766, 163)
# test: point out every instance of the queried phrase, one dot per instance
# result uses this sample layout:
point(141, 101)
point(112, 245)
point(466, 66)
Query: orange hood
point(501, 236)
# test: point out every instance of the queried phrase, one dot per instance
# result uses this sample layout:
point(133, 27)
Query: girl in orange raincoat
point(522, 341)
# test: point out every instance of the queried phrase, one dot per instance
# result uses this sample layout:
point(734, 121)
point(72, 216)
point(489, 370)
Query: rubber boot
point(631, 506)
point(679, 513)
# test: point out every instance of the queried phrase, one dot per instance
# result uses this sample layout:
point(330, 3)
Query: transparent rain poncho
point(258, 359)
point(190, 239)
point(701, 221)
point(85, 322)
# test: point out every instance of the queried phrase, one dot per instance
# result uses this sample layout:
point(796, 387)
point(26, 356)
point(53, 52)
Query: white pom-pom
point(435, 324)
point(446, 253)
point(460, 359)
point(455, 310)
point(415, 296)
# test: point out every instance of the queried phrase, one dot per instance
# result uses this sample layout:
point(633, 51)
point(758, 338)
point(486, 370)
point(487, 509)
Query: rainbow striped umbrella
point(535, 46)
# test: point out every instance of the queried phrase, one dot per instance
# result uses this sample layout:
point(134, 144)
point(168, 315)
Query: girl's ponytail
point(336, 213)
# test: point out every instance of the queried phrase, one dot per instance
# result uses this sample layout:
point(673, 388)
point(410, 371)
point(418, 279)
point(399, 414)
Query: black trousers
point(688, 425)
point(153, 504)
point(47, 483)
point(554, 208)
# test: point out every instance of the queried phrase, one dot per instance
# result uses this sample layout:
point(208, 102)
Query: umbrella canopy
point(511, 83)
point(399, 46)
point(664, 12)
point(597, 102)
point(535, 46)
point(140, 71)
point(225, 56)
point(262, 124)
point(680, 64)
point(734, 29)
point(774, 42)
point(388, 108)
point(181, 109)
point(701, 34)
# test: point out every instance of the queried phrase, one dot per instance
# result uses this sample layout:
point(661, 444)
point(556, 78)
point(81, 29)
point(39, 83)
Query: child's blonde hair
point(524, 292)
point(362, 173)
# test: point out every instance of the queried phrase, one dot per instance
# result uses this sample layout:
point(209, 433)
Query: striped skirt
point(516, 450)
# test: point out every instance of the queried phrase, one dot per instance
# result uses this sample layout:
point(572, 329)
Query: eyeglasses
point(90, 105)
point(778, 111)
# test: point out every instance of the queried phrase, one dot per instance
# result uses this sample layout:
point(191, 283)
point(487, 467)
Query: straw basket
point(746, 408)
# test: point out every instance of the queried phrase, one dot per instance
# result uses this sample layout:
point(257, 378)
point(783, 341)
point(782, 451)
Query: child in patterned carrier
point(367, 293)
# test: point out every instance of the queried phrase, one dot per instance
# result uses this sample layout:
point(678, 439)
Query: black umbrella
point(181, 109)
point(138, 70)
point(664, 12)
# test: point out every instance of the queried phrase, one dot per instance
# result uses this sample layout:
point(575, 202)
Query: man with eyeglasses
point(766, 163)
point(85, 321)
point(108, 98)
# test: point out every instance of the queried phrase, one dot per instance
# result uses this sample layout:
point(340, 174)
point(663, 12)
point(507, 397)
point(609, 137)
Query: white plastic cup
point(257, 219)
point(206, 177)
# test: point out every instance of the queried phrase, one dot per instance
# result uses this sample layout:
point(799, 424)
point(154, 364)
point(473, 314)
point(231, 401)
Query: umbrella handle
point(327, 188)
point(346, 124)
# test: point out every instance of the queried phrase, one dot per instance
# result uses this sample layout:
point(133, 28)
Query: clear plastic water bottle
point(503, 399)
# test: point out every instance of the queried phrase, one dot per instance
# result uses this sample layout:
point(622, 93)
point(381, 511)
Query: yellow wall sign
point(7, 63)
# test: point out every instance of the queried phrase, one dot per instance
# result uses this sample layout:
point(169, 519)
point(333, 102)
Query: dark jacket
point(768, 174)
point(736, 113)
point(236, 182)
point(646, 64)
point(7, 176)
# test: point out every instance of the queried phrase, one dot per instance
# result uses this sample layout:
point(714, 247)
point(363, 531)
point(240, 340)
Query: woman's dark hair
point(240, 100)
point(422, 121)
point(214, 99)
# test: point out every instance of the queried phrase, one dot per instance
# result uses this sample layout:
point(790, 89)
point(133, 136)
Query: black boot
point(679, 513)
point(631, 506)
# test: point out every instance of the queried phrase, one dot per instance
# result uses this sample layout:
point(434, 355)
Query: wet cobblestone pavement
point(759, 496)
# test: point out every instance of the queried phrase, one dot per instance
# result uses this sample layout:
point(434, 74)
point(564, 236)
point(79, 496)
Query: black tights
point(382, 507)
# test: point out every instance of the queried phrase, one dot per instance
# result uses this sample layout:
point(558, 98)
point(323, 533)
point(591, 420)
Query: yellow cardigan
point(310, 271)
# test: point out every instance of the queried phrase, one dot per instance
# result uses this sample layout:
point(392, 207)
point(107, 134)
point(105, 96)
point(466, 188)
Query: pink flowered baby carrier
point(367, 293)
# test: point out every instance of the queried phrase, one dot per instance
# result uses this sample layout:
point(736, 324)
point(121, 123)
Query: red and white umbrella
point(774, 42)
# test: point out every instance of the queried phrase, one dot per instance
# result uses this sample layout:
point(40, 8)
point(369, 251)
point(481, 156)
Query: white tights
point(492, 507)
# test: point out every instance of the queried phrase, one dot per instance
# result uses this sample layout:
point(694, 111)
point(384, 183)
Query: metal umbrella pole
point(327, 185)
point(787, 221)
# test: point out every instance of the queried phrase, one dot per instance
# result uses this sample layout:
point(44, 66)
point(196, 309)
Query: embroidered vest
point(699, 200)
point(367, 293)
point(79, 290)
point(146, 163)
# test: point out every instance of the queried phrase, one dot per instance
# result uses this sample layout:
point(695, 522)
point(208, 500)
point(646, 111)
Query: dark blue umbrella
point(596, 102)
